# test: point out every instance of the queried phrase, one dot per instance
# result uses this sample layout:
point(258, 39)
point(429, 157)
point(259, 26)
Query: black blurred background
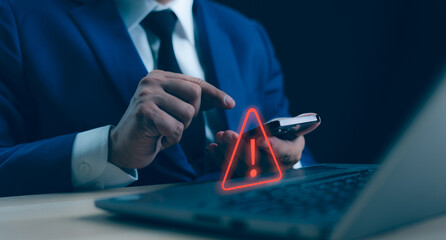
point(362, 65)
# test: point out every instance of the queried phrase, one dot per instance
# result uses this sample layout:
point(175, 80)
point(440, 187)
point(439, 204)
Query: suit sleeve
point(26, 166)
point(273, 90)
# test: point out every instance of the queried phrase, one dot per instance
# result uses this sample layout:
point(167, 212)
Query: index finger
point(213, 97)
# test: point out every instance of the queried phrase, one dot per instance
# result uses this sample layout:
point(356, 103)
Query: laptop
point(326, 201)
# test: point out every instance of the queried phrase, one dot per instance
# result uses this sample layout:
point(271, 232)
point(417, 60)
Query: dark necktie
point(162, 24)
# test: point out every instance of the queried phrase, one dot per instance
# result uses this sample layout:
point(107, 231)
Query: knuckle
point(177, 132)
point(179, 129)
point(157, 73)
point(158, 80)
point(189, 112)
point(198, 81)
point(154, 77)
point(145, 80)
point(145, 91)
point(197, 90)
point(194, 90)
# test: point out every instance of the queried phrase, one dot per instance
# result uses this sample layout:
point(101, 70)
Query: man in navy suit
point(71, 70)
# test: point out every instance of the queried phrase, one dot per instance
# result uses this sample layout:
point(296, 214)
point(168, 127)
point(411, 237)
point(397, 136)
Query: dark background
point(362, 65)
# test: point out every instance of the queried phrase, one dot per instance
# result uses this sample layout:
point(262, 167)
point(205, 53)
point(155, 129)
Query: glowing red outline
point(251, 110)
point(253, 151)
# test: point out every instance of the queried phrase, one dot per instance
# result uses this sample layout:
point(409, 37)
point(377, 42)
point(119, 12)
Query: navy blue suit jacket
point(68, 66)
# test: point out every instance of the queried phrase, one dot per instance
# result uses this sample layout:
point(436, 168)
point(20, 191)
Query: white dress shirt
point(89, 166)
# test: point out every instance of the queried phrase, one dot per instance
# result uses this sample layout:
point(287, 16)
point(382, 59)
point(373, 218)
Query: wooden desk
point(74, 216)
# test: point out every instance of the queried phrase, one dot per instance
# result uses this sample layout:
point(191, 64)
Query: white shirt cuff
point(297, 165)
point(89, 166)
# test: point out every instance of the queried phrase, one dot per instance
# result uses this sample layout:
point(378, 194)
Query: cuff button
point(84, 168)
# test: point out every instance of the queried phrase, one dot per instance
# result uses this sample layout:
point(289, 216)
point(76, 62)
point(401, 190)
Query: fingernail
point(229, 102)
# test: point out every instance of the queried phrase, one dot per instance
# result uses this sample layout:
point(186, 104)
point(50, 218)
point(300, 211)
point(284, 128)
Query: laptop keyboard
point(325, 197)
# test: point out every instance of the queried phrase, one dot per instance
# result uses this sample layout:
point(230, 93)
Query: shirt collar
point(134, 11)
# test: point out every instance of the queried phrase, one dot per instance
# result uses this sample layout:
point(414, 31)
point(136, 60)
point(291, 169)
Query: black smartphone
point(285, 128)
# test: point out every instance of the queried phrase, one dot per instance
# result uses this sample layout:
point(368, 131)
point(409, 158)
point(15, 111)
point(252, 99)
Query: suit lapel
point(102, 27)
point(220, 61)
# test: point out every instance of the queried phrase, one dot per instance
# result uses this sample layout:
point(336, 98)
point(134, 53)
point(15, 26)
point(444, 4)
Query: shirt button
point(84, 168)
point(99, 185)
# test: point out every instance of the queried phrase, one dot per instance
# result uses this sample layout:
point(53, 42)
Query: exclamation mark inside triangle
point(253, 175)
point(253, 171)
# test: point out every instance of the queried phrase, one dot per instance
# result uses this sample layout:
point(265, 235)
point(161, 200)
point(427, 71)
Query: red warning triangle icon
point(251, 180)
